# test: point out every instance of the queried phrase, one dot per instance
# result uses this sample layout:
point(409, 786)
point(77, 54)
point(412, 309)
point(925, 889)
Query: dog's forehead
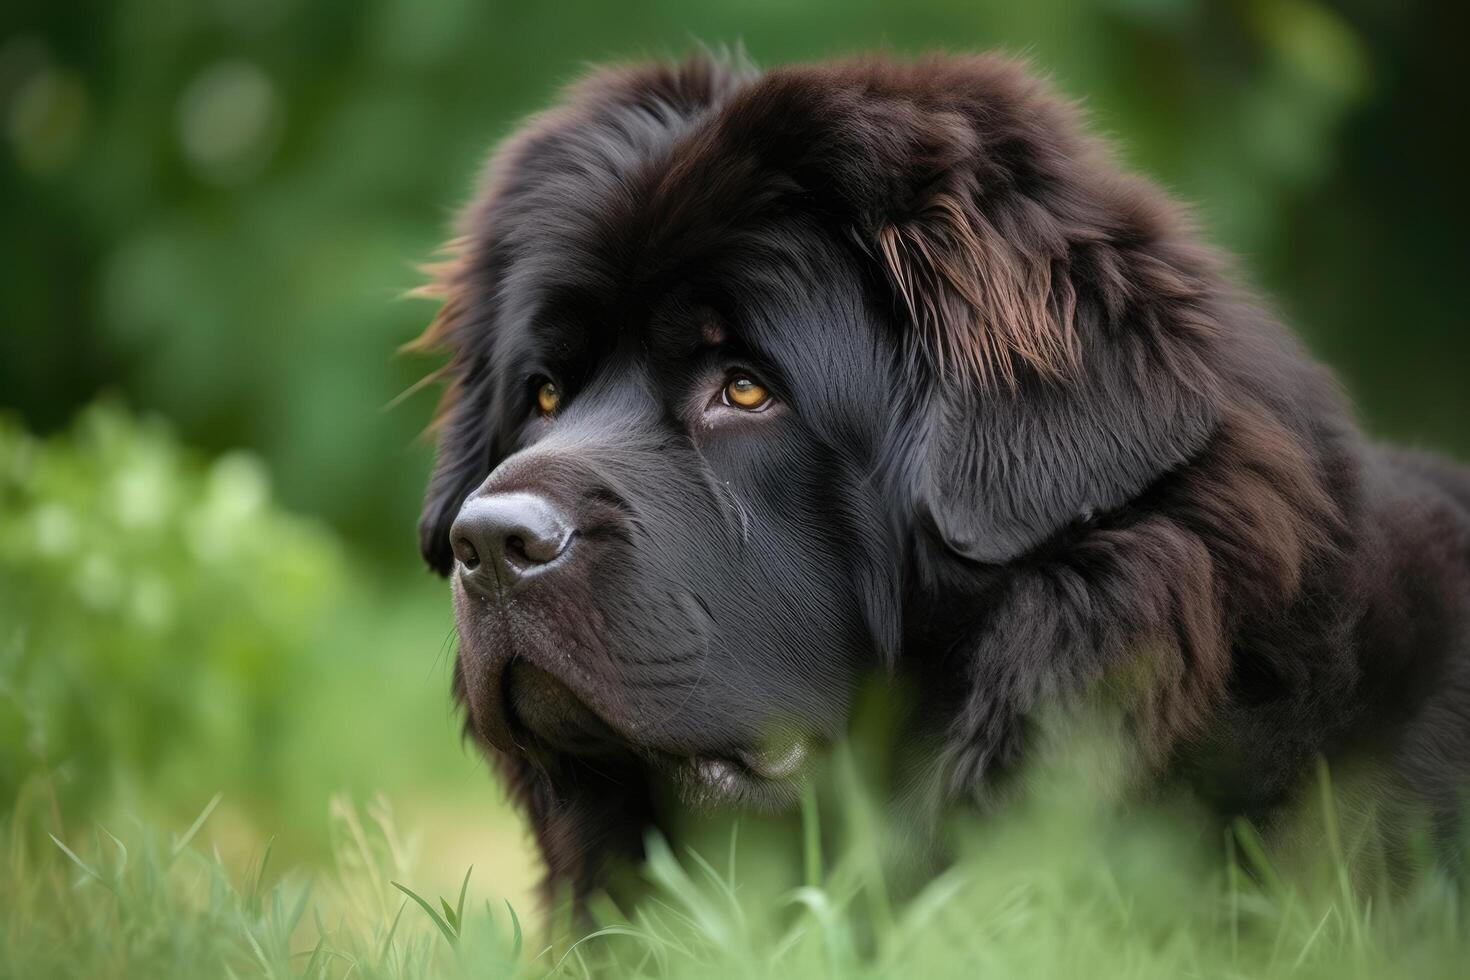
point(573, 223)
point(609, 230)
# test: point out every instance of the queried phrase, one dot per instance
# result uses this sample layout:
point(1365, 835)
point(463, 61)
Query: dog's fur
point(1029, 438)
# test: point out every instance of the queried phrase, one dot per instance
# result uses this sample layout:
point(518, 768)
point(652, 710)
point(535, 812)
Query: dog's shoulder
point(1434, 479)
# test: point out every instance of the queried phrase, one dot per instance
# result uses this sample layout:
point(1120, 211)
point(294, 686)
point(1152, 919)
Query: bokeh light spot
point(229, 122)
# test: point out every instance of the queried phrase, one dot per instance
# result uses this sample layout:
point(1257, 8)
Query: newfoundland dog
point(761, 384)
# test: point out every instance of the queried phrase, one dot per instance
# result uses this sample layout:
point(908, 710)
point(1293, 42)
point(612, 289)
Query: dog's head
point(744, 368)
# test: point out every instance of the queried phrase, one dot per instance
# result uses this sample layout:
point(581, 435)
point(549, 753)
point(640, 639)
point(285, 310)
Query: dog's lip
point(776, 763)
point(766, 779)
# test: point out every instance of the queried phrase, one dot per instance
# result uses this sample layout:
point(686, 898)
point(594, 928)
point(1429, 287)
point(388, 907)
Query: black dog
point(763, 383)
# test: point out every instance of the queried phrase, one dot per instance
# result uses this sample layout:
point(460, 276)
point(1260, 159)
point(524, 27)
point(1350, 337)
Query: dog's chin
point(550, 722)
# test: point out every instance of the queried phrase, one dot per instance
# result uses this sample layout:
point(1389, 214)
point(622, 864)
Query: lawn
point(1062, 887)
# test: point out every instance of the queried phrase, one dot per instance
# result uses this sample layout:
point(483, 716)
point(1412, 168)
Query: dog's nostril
point(538, 546)
point(465, 551)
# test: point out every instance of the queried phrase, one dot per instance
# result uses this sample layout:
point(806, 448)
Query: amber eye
point(547, 398)
point(743, 392)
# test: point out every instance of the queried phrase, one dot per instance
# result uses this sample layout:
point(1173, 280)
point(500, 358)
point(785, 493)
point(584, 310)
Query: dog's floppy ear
point(1062, 317)
point(1057, 315)
point(465, 449)
point(467, 286)
point(1002, 469)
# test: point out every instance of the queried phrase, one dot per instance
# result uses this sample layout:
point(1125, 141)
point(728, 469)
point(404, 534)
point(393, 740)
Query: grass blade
point(516, 935)
point(194, 828)
point(86, 868)
point(459, 907)
point(439, 923)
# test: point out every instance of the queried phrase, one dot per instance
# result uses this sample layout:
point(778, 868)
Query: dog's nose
point(501, 539)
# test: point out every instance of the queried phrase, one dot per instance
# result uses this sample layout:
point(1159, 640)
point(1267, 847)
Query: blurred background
point(211, 211)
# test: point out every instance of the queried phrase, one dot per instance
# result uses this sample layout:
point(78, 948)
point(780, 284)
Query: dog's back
point(1418, 514)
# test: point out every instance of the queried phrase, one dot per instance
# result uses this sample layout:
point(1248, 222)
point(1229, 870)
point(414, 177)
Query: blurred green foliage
point(150, 606)
point(168, 632)
point(212, 205)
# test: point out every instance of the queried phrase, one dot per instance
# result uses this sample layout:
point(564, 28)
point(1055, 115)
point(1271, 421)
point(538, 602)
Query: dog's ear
point(1056, 313)
point(465, 423)
point(1002, 469)
point(1061, 315)
point(466, 284)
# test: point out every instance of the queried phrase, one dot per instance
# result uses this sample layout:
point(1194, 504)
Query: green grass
point(1060, 885)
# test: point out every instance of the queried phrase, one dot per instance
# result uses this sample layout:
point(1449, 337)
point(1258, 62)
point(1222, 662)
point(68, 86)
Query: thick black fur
point(1027, 438)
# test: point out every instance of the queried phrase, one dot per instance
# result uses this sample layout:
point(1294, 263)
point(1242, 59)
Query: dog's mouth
point(542, 707)
point(546, 714)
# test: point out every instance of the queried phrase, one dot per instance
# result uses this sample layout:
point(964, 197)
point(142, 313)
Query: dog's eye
point(548, 397)
point(745, 393)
